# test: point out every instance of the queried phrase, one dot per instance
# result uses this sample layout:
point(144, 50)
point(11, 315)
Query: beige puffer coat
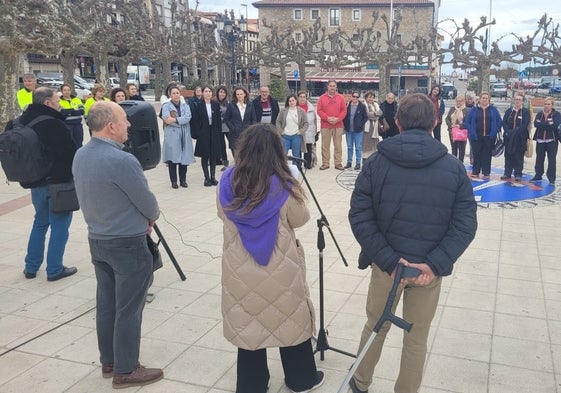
point(267, 306)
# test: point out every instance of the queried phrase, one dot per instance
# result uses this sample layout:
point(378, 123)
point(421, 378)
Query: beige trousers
point(419, 307)
point(326, 135)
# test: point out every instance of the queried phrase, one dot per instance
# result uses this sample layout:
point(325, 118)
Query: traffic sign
point(555, 72)
point(522, 74)
point(295, 74)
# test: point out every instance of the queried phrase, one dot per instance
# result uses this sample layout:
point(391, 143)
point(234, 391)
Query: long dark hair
point(225, 90)
point(259, 156)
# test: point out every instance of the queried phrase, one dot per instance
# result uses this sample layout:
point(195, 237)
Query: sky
point(512, 16)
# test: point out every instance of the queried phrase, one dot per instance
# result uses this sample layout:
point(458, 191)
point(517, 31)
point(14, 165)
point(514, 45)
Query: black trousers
point(482, 152)
point(549, 148)
point(172, 169)
point(514, 162)
point(298, 363)
point(308, 155)
point(436, 131)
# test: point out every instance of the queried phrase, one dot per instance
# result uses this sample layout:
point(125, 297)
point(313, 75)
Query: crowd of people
point(260, 203)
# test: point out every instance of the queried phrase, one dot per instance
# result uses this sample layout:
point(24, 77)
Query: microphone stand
point(170, 254)
point(322, 344)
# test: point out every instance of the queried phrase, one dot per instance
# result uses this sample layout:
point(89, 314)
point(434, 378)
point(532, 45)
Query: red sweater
point(331, 106)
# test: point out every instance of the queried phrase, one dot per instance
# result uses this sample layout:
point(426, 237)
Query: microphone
point(296, 159)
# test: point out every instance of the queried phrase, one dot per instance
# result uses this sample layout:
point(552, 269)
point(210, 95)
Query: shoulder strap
point(38, 120)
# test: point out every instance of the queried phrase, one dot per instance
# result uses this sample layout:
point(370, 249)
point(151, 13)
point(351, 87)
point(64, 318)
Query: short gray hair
point(41, 94)
point(99, 116)
point(29, 76)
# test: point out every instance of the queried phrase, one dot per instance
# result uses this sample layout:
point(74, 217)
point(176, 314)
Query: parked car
point(555, 89)
point(114, 82)
point(449, 91)
point(498, 90)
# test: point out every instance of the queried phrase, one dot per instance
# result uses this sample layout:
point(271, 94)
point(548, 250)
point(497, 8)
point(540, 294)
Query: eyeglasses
point(355, 96)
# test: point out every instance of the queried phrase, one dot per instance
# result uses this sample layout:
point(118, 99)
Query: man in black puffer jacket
point(413, 203)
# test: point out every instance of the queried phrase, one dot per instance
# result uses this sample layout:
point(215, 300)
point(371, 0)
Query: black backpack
point(22, 155)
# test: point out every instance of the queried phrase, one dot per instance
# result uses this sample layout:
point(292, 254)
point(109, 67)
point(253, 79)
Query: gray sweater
point(113, 192)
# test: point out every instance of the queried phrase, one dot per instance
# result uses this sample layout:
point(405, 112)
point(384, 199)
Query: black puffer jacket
point(413, 200)
point(55, 136)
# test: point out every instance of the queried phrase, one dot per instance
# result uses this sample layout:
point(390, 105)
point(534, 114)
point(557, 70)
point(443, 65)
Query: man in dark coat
point(389, 109)
point(515, 126)
point(413, 204)
point(55, 137)
point(266, 107)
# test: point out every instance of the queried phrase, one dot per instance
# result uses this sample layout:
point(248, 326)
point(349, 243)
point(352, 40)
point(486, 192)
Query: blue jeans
point(294, 143)
point(354, 139)
point(59, 223)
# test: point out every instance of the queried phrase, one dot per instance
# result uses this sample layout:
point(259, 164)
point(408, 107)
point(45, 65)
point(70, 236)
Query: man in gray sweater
point(119, 209)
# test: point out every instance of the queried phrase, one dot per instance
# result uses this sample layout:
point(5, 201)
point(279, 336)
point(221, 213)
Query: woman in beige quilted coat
point(265, 298)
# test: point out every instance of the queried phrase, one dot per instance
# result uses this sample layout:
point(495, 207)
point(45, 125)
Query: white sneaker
point(321, 378)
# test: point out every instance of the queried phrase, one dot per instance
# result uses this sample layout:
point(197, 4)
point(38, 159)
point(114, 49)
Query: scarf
point(259, 228)
point(457, 116)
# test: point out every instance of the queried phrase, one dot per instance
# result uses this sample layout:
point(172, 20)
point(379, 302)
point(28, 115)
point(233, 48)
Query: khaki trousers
point(326, 135)
point(419, 307)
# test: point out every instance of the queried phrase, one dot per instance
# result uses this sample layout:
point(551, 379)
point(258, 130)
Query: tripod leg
point(170, 254)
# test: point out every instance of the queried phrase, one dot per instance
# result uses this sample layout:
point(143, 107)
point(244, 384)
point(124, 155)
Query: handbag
point(459, 134)
point(63, 197)
point(155, 251)
point(383, 125)
point(498, 146)
point(529, 148)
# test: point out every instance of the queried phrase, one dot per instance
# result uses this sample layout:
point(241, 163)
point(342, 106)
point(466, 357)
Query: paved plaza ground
point(497, 327)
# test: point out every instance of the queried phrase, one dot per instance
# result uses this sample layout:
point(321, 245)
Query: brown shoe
point(340, 167)
point(139, 377)
point(323, 167)
point(107, 370)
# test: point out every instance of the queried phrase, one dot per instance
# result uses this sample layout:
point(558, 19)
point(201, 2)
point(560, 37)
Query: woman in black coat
point(239, 115)
point(208, 133)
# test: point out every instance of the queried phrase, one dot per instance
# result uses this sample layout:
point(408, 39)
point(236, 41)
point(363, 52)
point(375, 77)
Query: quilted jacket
point(266, 306)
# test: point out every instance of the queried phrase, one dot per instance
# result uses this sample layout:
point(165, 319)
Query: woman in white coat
point(177, 150)
point(371, 130)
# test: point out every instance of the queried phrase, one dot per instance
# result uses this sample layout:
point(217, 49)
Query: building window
point(298, 14)
point(356, 37)
point(334, 17)
point(356, 15)
point(298, 37)
point(314, 14)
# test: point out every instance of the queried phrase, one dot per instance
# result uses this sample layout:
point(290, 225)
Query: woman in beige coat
point(265, 298)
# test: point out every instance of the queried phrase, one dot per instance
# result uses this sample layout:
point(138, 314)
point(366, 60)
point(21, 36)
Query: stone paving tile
point(496, 328)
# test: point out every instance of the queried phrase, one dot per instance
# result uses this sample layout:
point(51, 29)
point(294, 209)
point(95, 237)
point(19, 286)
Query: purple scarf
point(258, 229)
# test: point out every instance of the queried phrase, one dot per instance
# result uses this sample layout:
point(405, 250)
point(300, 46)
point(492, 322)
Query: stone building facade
point(347, 16)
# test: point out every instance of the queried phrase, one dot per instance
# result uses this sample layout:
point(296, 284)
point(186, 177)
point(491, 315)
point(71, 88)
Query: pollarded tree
point(469, 48)
point(280, 46)
point(383, 44)
point(25, 26)
point(544, 45)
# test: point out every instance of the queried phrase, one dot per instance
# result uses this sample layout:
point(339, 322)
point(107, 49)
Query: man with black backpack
point(59, 148)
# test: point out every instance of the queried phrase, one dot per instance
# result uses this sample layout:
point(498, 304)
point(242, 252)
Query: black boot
point(207, 182)
point(213, 180)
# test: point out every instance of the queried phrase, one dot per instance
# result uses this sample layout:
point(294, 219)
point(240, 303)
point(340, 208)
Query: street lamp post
point(226, 26)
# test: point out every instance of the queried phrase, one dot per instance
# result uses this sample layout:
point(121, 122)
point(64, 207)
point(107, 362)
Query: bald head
point(108, 120)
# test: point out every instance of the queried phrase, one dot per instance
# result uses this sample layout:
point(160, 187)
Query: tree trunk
point(101, 59)
point(483, 75)
point(384, 85)
point(122, 72)
point(9, 87)
point(68, 61)
point(204, 71)
point(302, 75)
point(282, 69)
point(159, 80)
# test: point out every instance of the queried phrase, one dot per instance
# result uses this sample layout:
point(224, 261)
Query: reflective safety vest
point(25, 97)
point(72, 108)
